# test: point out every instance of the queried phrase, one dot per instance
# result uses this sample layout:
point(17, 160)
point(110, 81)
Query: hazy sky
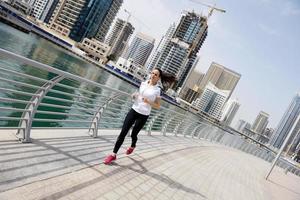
point(260, 39)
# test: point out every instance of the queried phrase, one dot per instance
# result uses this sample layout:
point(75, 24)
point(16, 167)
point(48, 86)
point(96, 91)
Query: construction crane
point(212, 8)
point(199, 34)
point(129, 15)
point(133, 16)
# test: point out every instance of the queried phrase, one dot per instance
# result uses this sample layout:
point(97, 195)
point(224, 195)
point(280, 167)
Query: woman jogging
point(146, 98)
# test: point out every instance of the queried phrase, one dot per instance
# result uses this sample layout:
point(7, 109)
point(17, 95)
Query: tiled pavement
point(64, 164)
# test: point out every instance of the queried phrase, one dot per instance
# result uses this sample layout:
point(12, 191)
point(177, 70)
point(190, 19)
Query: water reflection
point(33, 47)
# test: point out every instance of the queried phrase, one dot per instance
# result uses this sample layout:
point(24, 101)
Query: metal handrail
point(23, 75)
point(20, 83)
point(24, 60)
point(60, 113)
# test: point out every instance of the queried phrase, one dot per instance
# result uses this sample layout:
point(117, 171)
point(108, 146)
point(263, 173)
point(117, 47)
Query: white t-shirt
point(151, 92)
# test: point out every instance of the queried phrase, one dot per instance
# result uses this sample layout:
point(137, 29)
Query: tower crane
point(199, 35)
point(140, 21)
point(212, 8)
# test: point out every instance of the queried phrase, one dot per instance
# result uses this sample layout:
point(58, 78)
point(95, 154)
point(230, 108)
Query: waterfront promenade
point(67, 164)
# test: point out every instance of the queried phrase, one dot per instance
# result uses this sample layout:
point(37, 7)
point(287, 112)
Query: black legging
point(138, 120)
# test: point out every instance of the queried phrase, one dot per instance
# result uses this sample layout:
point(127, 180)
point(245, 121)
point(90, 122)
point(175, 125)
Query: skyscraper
point(40, 8)
point(119, 37)
point(49, 11)
point(294, 143)
point(230, 109)
point(85, 18)
point(286, 123)
point(222, 77)
point(152, 62)
point(241, 125)
point(260, 122)
point(189, 91)
point(212, 101)
point(180, 51)
point(109, 18)
point(140, 49)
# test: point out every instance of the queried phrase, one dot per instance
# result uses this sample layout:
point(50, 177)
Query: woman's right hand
point(135, 95)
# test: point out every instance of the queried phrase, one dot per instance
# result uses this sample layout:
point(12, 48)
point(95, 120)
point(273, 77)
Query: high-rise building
point(260, 122)
point(265, 136)
point(241, 125)
point(212, 101)
point(189, 91)
point(140, 49)
point(179, 53)
point(230, 109)
point(39, 7)
point(21, 5)
point(80, 19)
point(222, 77)
point(286, 123)
point(49, 11)
point(109, 18)
point(294, 143)
point(43, 9)
point(119, 36)
point(268, 132)
point(152, 62)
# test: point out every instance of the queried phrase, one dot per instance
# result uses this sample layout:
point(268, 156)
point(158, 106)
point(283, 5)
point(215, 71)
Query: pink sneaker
point(109, 159)
point(129, 150)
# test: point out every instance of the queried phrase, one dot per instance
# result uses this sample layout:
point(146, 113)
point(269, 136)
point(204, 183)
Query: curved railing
point(35, 95)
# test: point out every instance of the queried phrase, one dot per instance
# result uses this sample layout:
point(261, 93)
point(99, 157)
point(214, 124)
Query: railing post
point(177, 127)
point(185, 130)
point(195, 129)
point(207, 127)
point(97, 116)
point(27, 117)
point(149, 127)
point(164, 129)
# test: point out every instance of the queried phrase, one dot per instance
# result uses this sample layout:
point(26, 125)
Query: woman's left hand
point(155, 104)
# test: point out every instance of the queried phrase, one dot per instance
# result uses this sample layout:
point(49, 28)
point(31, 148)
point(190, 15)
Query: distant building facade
point(22, 6)
point(179, 49)
point(260, 123)
point(230, 109)
point(241, 125)
point(119, 36)
point(286, 123)
point(41, 8)
point(109, 18)
point(94, 49)
point(135, 70)
point(220, 76)
point(189, 91)
point(212, 101)
point(152, 62)
point(84, 19)
point(140, 49)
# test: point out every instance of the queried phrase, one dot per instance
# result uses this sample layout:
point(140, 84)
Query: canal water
point(41, 50)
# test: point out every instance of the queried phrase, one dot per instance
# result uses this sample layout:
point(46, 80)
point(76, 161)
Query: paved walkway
point(68, 165)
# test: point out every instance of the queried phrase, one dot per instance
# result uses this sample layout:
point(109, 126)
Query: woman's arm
point(155, 104)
